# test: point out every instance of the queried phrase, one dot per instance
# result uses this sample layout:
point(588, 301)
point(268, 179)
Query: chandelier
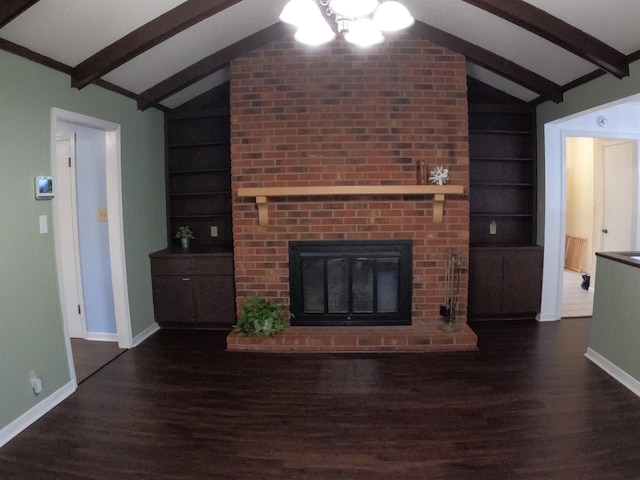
point(360, 22)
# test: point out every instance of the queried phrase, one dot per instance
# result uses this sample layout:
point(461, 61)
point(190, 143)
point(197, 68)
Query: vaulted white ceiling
point(65, 33)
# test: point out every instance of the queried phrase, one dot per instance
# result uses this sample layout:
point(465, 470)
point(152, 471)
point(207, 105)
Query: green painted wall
point(31, 326)
point(602, 90)
point(615, 327)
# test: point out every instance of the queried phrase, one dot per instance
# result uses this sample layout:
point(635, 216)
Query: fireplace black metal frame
point(351, 250)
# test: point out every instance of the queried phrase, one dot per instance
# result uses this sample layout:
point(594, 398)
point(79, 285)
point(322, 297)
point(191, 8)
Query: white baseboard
point(616, 372)
point(102, 337)
point(542, 317)
point(146, 333)
point(45, 405)
point(34, 413)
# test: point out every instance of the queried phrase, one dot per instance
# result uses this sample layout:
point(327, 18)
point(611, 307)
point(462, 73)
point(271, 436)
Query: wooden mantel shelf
point(262, 194)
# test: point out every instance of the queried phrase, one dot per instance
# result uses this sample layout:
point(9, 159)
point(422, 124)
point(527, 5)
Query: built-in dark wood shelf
point(200, 194)
point(207, 215)
point(199, 144)
point(503, 184)
point(503, 159)
point(505, 267)
point(199, 171)
point(498, 132)
point(497, 214)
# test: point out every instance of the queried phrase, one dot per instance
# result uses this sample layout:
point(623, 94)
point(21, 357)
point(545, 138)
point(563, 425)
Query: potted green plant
point(185, 234)
point(260, 317)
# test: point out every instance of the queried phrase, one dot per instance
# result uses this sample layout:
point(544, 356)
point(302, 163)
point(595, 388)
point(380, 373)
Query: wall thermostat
point(44, 188)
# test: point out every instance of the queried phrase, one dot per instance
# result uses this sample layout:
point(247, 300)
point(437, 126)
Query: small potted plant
point(260, 317)
point(185, 234)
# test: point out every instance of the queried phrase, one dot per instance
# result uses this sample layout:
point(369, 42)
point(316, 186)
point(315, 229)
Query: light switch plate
point(214, 231)
point(44, 226)
point(102, 215)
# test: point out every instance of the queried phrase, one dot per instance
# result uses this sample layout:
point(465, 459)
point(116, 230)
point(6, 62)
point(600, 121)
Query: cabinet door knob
point(604, 230)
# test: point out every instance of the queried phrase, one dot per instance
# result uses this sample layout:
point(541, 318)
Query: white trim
point(116, 223)
point(146, 333)
point(35, 412)
point(616, 372)
point(59, 262)
point(71, 293)
point(116, 240)
point(581, 124)
point(102, 337)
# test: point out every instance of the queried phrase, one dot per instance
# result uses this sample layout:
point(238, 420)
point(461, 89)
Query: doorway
point(69, 262)
point(600, 189)
point(610, 123)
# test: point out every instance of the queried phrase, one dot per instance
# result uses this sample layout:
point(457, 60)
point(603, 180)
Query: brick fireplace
point(343, 116)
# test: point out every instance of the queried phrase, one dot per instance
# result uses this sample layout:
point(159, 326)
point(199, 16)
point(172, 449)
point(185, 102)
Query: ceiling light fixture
point(361, 22)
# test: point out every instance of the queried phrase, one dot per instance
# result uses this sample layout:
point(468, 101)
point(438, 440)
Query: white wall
point(580, 194)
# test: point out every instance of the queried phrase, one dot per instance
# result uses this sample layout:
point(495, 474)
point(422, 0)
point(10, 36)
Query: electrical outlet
point(36, 383)
point(214, 231)
point(492, 228)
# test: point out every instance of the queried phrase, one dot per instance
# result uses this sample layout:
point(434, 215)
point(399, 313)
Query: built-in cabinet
point(505, 266)
point(505, 281)
point(194, 287)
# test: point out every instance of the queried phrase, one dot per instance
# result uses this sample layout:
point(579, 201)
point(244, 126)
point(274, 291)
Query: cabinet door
point(522, 282)
point(173, 299)
point(215, 300)
point(485, 283)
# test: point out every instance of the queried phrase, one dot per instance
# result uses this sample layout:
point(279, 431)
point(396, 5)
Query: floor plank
point(527, 405)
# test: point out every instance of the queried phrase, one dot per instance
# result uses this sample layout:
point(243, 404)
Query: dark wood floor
point(528, 405)
point(89, 357)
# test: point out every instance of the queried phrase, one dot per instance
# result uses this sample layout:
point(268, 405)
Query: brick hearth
point(421, 338)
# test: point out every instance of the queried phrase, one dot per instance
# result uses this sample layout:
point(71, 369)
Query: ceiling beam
point(210, 65)
point(491, 61)
point(145, 37)
point(48, 62)
point(10, 9)
point(559, 32)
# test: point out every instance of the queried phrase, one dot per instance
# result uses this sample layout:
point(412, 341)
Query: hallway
point(576, 302)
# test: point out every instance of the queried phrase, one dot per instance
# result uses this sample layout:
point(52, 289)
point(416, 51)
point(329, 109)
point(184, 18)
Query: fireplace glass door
point(350, 282)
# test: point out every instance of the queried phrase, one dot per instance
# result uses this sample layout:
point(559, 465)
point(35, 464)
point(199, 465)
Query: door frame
point(115, 224)
point(67, 287)
point(618, 124)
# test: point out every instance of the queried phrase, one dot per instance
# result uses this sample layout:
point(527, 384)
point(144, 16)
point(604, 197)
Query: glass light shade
point(392, 16)
point(315, 33)
point(364, 32)
point(296, 12)
point(353, 8)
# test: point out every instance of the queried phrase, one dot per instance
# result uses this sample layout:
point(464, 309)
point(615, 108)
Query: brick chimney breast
point(342, 115)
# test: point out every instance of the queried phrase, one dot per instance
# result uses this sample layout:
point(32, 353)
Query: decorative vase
point(185, 242)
